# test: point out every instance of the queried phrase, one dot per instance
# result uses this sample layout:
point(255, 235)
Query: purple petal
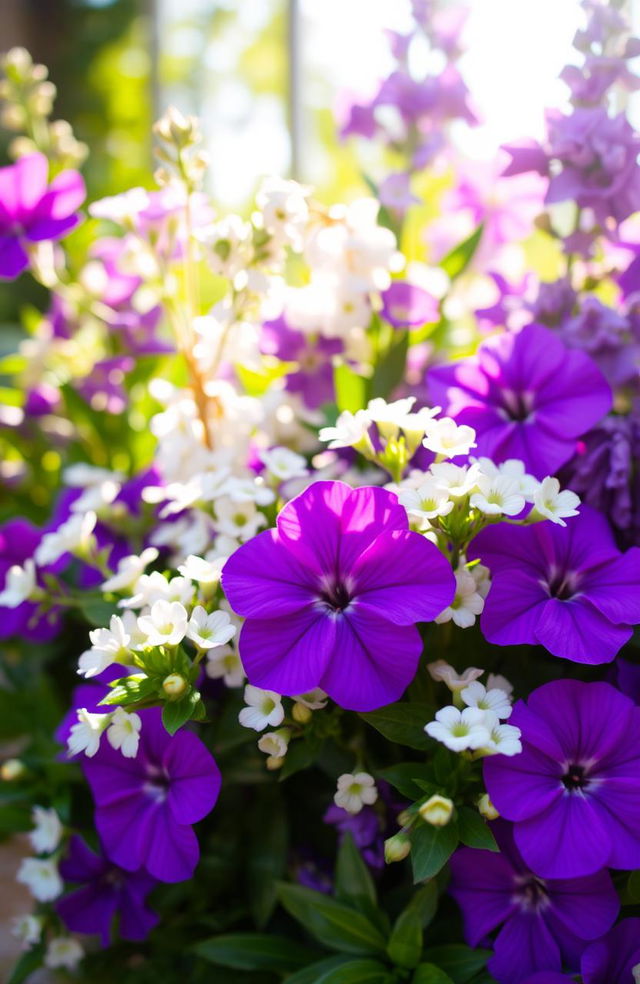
point(482, 884)
point(309, 525)
point(90, 910)
point(81, 863)
point(372, 661)
point(405, 577)
point(523, 946)
point(575, 630)
point(136, 920)
point(13, 258)
point(22, 185)
point(586, 907)
point(368, 512)
point(513, 608)
point(195, 778)
point(612, 959)
point(122, 826)
point(288, 655)
point(567, 840)
point(582, 399)
point(618, 803)
point(523, 785)
point(50, 228)
point(171, 849)
point(64, 196)
point(614, 588)
point(264, 579)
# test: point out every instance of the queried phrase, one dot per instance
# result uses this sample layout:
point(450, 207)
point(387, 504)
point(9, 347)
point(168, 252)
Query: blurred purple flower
point(18, 542)
point(606, 336)
point(104, 388)
point(574, 790)
point(107, 891)
point(31, 210)
point(395, 193)
point(313, 378)
point(405, 306)
point(331, 596)
point(555, 303)
point(613, 959)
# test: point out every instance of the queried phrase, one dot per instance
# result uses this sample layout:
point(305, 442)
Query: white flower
point(441, 671)
point(494, 700)
point(553, 504)
point(108, 646)
point(209, 630)
point(389, 416)
point(41, 878)
point(202, 569)
point(225, 662)
point(275, 743)
point(124, 732)
point(284, 208)
point(63, 951)
point(86, 733)
point(427, 501)
point(96, 497)
point(264, 708)
point(498, 496)
point(481, 575)
point(284, 464)
point(229, 244)
point(636, 973)
point(72, 537)
point(504, 739)
point(355, 791)
point(467, 603)
point(495, 680)
point(459, 730)
point(457, 480)
point(166, 623)
point(19, 584)
point(28, 929)
point(83, 476)
point(122, 208)
point(238, 519)
point(445, 437)
point(315, 699)
point(511, 468)
point(153, 587)
point(350, 431)
point(129, 570)
point(47, 831)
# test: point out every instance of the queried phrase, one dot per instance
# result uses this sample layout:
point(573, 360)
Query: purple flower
point(104, 387)
point(145, 806)
point(395, 193)
point(527, 395)
point(107, 891)
point(404, 305)
point(332, 595)
point(555, 303)
point(313, 378)
point(567, 588)
point(544, 923)
point(607, 337)
point(626, 677)
point(549, 977)
point(612, 959)
point(31, 210)
point(574, 790)
point(18, 542)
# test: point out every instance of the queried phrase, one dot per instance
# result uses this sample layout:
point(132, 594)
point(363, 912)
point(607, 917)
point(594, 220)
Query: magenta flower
point(332, 595)
point(106, 891)
point(544, 923)
point(527, 395)
point(313, 376)
point(567, 588)
point(145, 806)
point(612, 959)
point(404, 305)
point(574, 790)
point(31, 210)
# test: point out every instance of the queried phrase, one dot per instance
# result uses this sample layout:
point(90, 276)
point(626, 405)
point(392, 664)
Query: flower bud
point(11, 770)
point(437, 810)
point(405, 818)
point(486, 808)
point(174, 686)
point(275, 762)
point(396, 848)
point(300, 713)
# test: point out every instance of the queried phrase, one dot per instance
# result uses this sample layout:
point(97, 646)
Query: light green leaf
point(431, 848)
point(336, 925)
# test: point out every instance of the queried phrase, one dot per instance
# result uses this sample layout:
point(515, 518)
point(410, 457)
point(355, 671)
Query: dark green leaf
point(431, 848)
point(405, 943)
point(175, 713)
point(302, 754)
point(255, 951)
point(356, 972)
point(353, 881)
point(314, 972)
point(331, 922)
point(425, 902)
point(457, 261)
point(267, 855)
point(405, 777)
point(351, 389)
point(460, 962)
point(428, 973)
point(474, 831)
point(27, 964)
point(403, 723)
point(633, 887)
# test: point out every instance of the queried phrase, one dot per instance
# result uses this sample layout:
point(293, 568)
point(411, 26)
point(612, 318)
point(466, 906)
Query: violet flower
point(332, 595)
point(313, 377)
point(18, 542)
point(145, 806)
point(612, 960)
point(574, 790)
point(31, 210)
point(405, 305)
point(544, 923)
point(106, 891)
point(526, 395)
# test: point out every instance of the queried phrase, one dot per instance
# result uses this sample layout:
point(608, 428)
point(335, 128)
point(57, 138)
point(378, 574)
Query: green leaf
point(314, 972)
point(356, 972)
point(390, 366)
point(27, 964)
point(267, 853)
point(403, 723)
point(633, 887)
point(405, 778)
point(353, 881)
point(302, 754)
point(431, 848)
point(460, 962)
point(425, 902)
point(457, 261)
point(255, 951)
point(474, 831)
point(351, 389)
point(175, 713)
point(129, 690)
point(336, 925)
point(96, 611)
point(405, 943)
point(428, 973)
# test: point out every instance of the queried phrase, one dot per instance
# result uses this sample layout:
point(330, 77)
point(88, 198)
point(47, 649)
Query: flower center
point(336, 595)
point(562, 585)
point(531, 893)
point(517, 406)
point(157, 785)
point(575, 778)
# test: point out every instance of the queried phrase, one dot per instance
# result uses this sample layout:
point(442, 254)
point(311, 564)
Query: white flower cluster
point(264, 709)
point(472, 587)
point(477, 725)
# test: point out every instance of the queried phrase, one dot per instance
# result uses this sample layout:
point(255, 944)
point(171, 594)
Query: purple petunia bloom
point(606, 335)
point(106, 891)
point(31, 210)
point(145, 806)
point(545, 924)
point(313, 377)
point(404, 305)
point(613, 959)
point(527, 395)
point(18, 542)
point(567, 588)
point(574, 790)
point(332, 595)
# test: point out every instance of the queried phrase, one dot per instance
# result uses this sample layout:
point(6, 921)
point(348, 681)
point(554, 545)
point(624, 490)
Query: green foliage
point(403, 723)
point(458, 259)
point(431, 848)
point(336, 925)
point(460, 962)
point(255, 951)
